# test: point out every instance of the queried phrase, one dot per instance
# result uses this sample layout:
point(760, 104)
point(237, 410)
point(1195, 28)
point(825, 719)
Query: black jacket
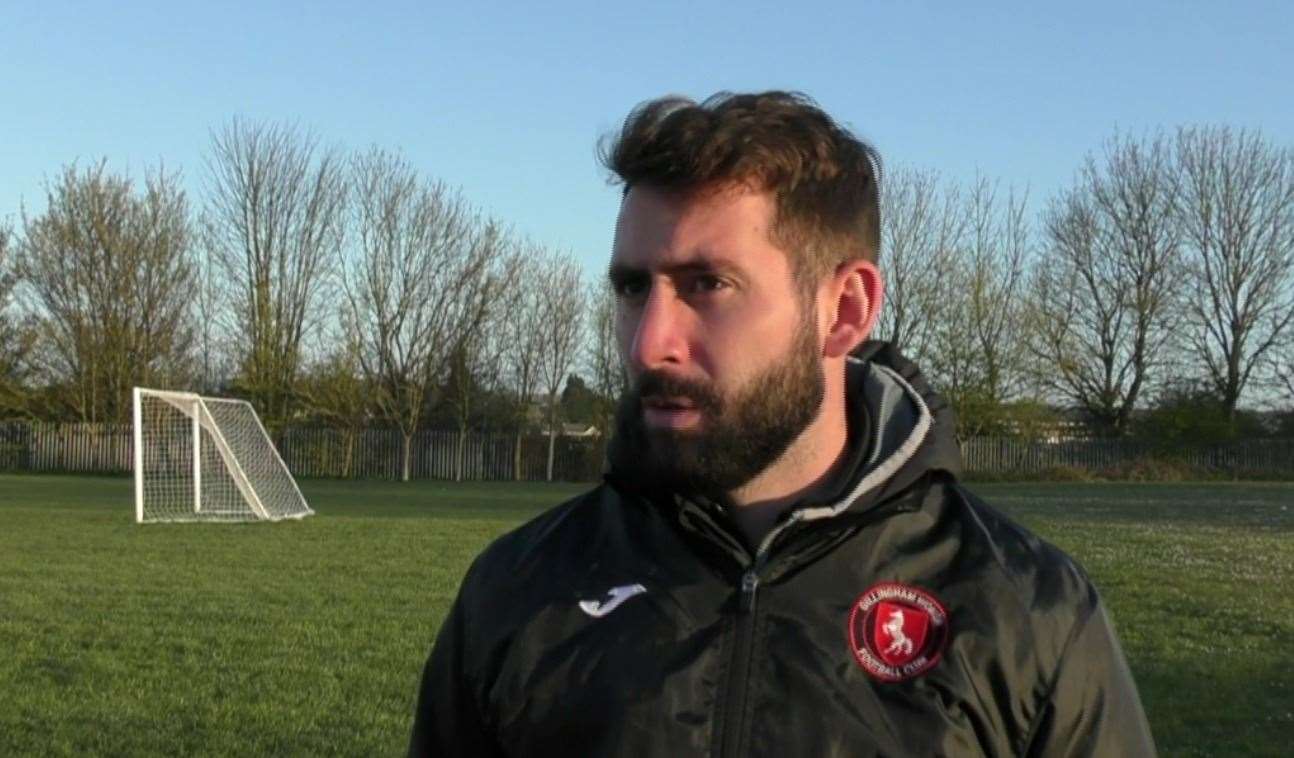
point(902, 617)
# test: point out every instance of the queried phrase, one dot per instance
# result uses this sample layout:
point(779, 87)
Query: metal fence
point(439, 455)
point(376, 453)
point(72, 448)
point(1240, 458)
point(313, 452)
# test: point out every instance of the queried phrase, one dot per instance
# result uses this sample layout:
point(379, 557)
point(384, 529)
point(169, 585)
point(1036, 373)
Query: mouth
point(657, 402)
point(670, 412)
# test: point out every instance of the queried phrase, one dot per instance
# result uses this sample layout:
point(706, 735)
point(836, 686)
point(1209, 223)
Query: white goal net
point(207, 459)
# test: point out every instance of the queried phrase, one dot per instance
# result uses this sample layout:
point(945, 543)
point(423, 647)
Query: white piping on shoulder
point(880, 473)
point(890, 465)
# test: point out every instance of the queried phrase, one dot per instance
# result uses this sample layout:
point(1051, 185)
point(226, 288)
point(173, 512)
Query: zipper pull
point(749, 585)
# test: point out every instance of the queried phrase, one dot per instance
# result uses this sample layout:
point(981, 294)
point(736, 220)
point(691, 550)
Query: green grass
point(307, 638)
point(1200, 582)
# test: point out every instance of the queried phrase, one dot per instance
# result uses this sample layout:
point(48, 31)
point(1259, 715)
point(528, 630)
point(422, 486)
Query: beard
point(740, 433)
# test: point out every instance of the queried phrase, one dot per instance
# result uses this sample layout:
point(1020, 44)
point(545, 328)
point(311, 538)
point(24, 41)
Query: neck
point(811, 461)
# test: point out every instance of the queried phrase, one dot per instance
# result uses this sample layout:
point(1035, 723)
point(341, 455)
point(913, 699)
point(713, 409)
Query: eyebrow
point(622, 272)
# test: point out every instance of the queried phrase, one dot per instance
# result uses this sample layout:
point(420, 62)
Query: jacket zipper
point(738, 688)
point(739, 673)
point(738, 685)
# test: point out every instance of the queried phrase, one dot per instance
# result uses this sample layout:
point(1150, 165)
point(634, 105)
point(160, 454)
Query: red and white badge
point(897, 632)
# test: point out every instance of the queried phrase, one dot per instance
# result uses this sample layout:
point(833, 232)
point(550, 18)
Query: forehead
point(732, 226)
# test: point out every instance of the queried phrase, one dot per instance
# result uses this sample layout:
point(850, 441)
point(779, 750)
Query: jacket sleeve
point(1094, 709)
point(448, 720)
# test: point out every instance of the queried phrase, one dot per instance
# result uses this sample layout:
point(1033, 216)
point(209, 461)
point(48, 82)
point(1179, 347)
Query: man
point(780, 560)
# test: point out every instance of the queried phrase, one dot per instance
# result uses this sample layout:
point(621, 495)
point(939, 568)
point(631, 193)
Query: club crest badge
point(897, 632)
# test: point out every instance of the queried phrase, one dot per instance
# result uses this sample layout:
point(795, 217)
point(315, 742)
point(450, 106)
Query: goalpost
point(207, 459)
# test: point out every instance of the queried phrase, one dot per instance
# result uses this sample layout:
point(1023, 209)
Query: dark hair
point(824, 179)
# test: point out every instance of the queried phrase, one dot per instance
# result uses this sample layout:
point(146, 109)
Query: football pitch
point(307, 638)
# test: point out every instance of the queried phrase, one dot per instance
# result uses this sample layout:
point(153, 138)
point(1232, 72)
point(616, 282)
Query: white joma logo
point(611, 601)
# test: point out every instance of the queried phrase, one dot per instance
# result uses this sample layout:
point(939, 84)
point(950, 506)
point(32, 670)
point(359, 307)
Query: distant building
point(580, 430)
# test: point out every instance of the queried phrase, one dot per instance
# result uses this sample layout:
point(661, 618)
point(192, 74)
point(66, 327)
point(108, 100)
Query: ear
point(851, 299)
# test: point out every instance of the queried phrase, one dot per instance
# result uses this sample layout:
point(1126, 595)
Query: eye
point(630, 286)
point(705, 283)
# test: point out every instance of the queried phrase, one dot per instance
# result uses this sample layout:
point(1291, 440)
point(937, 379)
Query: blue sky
point(507, 101)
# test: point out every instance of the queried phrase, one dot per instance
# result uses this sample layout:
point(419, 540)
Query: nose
point(659, 336)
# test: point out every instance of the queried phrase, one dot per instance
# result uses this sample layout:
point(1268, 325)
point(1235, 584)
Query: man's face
point(721, 348)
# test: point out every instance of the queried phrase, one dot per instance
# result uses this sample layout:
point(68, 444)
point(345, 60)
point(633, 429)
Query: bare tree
point(525, 344)
point(474, 364)
point(1282, 374)
point(923, 222)
point(1237, 216)
point(602, 357)
point(335, 391)
point(1282, 369)
point(16, 333)
point(977, 351)
point(110, 273)
point(420, 281)
point(215, 340)
point(274, 226)
point(560, 327)
point(1103, 290)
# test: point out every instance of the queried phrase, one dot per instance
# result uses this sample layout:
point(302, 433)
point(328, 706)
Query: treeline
point(325, 287)
point(1151, 296)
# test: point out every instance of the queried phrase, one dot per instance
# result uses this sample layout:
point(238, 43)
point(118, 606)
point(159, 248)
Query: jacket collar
point(899, 424)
